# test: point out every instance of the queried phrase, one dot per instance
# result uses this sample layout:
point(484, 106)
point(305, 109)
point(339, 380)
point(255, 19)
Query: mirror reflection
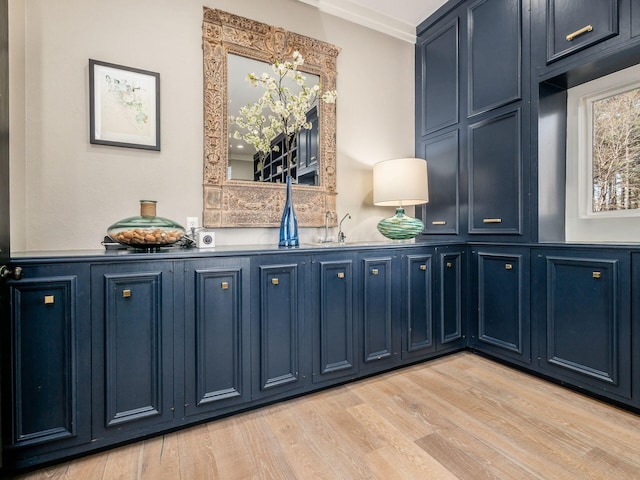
point(244, 161)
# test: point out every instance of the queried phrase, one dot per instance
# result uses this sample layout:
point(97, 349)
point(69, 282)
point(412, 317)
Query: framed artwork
point(124, 106)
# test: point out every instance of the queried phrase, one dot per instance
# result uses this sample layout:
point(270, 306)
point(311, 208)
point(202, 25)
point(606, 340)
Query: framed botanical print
point(124, 106)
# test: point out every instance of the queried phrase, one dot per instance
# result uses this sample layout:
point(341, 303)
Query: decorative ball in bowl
point(146, 231)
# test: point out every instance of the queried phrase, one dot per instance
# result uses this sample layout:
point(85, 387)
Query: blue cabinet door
point(334, 334)
point(440, 216)
point(494, 42)
point(501, 326)
point(573, 26)
point(450, 298)
point(417, 303)
point(582, 309)
point(281, 346)
point(132, 329)
point(495, 174)
point(216, 334)
point(437, 91)
point(379, 312)
point(50, 352)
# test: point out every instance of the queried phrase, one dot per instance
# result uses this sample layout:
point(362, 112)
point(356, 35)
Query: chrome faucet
point(341, 235)
point(327, 216)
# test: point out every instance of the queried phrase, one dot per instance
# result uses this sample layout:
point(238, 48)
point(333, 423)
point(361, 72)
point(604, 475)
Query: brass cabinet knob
point(374, 271)
point(126, 293)
point(423, 267)
point(275, 281)
point(596, 275)
point(340, 274)
point(225, 285)
point(49, 299)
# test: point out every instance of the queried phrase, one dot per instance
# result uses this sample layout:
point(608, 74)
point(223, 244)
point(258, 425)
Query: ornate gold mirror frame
point(238, 203)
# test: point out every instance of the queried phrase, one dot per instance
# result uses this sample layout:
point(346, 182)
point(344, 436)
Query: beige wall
point(65, 192)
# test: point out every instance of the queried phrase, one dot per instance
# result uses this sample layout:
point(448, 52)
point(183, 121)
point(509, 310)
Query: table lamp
point(400, 182)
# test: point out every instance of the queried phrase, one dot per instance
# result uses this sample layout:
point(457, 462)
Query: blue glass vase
point(289, 222)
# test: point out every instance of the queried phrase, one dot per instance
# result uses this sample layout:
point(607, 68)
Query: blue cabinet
point(495, 165)
point(582, 310)
point(574, 26)
point(132, 347)
point(494, 42)
point(417, 306)
point(477, 150)
point(437, 92)
point(450, 298)
point(334, 327)
point(379, 313)
point(49, 402)
point(281, 336)
point(217, 348)
point(500, 324)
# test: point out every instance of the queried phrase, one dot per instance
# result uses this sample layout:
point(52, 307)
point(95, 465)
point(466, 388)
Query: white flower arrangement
point(278, 110)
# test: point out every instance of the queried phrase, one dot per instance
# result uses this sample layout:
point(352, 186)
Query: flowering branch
point(278, 110)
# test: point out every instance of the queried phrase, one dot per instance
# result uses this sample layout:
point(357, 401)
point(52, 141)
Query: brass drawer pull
point(225, 285)
point(126, 293)
point(374, 271)
point(49, 299)
point(438, 222)
point(508, 266)
point(577, 33)
point(423, 267)
point(596, 274)
point(449, 264)
point(275, 281)
point(340, 274)
point(491, 220)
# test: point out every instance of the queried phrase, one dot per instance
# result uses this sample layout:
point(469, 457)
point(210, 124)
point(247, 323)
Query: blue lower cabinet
point(217, 348)
point(500, 323)
point(334, 328)
point(379, 318)
point(132, 330)
point(582, 310)
point(417, 306)
point(50, 402)
point(281, 337)
point(450, 295)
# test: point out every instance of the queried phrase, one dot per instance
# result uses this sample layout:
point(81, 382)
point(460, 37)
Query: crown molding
point(366, 17)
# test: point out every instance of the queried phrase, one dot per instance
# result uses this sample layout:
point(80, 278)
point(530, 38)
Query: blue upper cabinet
point(494, 43)
point(437, 92)
point(573, 26)
point(495, 175)
point(473, 121)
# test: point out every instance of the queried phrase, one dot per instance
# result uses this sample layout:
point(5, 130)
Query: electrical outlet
point(192, 222)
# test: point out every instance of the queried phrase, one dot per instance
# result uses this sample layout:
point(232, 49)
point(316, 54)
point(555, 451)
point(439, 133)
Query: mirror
point(235, 200)
point(244, 163)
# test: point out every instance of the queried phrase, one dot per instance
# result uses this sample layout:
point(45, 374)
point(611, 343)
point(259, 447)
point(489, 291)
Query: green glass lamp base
point(400, 226)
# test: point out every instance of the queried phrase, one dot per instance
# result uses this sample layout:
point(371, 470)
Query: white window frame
point(581, 223)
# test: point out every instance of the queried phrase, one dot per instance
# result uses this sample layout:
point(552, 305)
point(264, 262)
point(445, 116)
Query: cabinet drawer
point(574, 26)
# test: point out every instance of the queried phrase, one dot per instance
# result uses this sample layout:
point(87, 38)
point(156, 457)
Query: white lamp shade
point(400, 182)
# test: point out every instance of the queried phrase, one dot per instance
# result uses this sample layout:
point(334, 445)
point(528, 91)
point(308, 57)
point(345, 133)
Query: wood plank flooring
point(459, 417)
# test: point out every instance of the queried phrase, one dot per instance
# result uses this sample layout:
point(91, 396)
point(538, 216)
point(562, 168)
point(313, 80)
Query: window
point(603, 159)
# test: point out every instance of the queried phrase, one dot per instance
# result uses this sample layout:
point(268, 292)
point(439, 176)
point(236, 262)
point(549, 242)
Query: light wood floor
point(461, 417)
